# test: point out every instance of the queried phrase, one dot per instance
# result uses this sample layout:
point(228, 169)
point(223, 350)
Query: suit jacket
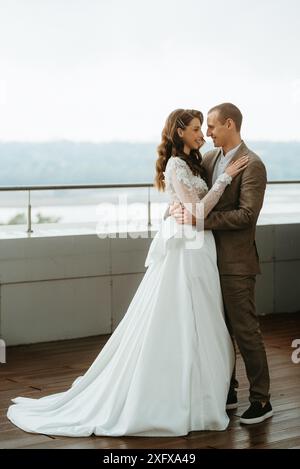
point(233, 219)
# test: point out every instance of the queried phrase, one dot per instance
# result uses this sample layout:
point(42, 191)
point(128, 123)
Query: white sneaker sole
point(257, 419)
point(232, 406)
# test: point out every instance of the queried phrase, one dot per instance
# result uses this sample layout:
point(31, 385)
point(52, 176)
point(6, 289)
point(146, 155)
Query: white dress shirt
point(223, 162)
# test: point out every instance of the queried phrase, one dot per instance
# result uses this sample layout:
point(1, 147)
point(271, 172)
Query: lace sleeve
point(188, 195)
point(213, 196)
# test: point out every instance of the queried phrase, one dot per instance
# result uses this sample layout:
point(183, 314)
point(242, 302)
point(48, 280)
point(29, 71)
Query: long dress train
point(165, 371)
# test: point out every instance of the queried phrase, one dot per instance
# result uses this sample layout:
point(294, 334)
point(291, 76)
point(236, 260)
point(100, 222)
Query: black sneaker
point(232, 402)
point(257, 413)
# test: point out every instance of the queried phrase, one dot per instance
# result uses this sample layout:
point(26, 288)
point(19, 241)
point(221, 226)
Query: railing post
point(29, 230)
point(149, 208)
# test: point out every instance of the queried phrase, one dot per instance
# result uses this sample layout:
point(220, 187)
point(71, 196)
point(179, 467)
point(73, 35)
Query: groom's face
point(217, 130)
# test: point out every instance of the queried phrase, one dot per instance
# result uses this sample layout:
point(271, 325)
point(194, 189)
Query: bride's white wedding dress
point(165, 371)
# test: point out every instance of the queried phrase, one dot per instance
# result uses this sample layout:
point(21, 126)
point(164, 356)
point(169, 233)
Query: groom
point(233, 222)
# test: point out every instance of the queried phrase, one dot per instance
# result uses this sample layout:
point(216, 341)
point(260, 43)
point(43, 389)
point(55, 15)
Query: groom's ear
point(230, 123)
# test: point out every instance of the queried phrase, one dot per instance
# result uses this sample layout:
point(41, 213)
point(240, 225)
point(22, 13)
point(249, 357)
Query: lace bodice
point(192, 191)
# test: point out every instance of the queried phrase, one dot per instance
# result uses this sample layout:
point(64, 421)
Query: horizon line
point(131, 142)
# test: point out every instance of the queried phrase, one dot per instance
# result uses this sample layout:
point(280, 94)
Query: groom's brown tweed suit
point(233, 222)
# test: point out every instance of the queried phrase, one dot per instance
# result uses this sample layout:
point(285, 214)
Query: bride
point(165, 371)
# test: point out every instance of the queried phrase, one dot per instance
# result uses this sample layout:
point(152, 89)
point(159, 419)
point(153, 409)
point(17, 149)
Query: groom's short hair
point(229, 111)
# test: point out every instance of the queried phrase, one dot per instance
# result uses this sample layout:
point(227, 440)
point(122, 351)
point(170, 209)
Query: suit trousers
point(239, 303)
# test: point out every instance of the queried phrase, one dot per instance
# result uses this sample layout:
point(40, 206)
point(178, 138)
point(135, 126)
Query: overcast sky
point(103, 70)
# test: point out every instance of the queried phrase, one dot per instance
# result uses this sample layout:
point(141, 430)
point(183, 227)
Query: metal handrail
point(99, 186)
point(74, 186)
point(93, 186)
point(283, 182)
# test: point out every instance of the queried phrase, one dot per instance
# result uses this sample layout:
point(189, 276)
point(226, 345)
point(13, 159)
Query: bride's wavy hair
point(172, 145)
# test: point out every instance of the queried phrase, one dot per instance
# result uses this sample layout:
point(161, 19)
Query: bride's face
point(192, 135)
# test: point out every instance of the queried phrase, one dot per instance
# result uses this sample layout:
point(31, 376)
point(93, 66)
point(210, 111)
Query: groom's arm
point(253, 185)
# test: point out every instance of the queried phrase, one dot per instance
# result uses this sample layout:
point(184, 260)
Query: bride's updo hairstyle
point(172, 145)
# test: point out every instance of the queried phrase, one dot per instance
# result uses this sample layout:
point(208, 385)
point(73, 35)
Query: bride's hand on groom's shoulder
point(237, 166)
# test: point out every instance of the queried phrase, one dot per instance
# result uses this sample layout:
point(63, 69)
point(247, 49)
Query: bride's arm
point(187, 194)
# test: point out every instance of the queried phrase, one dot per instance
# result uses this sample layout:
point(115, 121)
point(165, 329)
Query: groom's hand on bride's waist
point(181, 214)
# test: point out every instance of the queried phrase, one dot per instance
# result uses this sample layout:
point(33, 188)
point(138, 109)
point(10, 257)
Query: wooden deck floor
point(41, 369)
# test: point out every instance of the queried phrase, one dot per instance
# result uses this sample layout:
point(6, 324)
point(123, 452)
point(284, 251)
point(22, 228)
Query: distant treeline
point(65, 162)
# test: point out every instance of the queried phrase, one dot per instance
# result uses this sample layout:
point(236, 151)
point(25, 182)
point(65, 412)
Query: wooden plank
point(42, 369)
